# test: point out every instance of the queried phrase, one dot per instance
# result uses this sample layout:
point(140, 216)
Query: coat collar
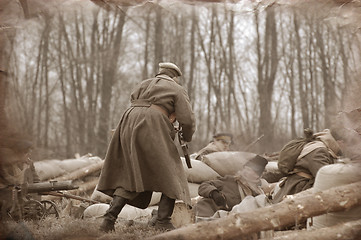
point(165, 77)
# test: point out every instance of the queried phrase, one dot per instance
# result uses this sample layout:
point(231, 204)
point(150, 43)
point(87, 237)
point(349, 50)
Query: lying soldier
point(228, 191)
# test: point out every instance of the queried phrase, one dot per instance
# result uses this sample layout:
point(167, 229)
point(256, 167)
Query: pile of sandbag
point(128, 212)
point(50, 169)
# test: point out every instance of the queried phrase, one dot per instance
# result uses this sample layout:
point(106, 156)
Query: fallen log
point(81, 173)
point(348, 230)
point(274, 217)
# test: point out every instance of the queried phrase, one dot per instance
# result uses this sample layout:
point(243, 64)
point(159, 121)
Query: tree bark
point(348, 230)
point(109, 75)
point(302, 89)
point(267, 64)
point(280, 215)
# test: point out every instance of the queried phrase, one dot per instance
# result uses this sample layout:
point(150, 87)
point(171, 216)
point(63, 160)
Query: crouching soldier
point(322, 151)
point(228, 191)
point(16, 168)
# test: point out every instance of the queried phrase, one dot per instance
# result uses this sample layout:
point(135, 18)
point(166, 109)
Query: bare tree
point(110, 59)
point(266, 72)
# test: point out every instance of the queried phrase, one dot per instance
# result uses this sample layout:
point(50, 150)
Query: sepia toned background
point(257, 69)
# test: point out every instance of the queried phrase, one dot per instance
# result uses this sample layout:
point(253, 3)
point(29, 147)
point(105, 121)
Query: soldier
point(226, 192)
point(221, 142)
point(324, 150)
point(16, 168)
point(142, 156)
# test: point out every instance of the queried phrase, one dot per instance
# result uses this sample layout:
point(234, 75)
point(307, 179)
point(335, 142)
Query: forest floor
point(71, 228)
point(74, 229)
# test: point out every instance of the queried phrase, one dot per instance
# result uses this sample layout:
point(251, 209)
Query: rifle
point(253, 143)
point(48, 186)
point(184, 146)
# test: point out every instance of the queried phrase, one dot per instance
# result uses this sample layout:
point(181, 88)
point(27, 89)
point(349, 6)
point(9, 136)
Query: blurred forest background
point(251, 68)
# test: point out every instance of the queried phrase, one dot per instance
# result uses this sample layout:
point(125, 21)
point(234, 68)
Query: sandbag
point(199, 172)
point(132, 213)
point(250, 203)
point(193, 191)
point(227, 163)
point(128, 212)
point(155, 198)
point(331, 176)
point(48, 169)
point(100, 197)
point(70, 165)
point(95, 210)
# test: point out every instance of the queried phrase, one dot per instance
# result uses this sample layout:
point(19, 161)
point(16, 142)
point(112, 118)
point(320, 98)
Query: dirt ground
point(75, 229)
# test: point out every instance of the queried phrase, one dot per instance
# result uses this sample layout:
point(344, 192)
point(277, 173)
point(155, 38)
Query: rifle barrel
point(49, 186)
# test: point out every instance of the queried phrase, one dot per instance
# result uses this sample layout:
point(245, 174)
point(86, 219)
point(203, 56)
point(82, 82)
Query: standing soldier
point(142, 156)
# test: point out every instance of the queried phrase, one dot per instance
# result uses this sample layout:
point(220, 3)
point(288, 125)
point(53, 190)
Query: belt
point(147, 103)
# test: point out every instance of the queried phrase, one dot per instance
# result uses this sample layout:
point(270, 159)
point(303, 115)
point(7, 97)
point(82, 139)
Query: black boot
point(165, 211)
point(112, 213)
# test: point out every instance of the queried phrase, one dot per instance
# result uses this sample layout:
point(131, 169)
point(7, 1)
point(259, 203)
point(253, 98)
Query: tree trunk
point(348, 230)
point(109, 74)
point(328, 84)
point(302, 89)
point(190, 84)
point(266, 71)
point(67, 125)
point(158, 38)
point(146, 51)
point(283, 214)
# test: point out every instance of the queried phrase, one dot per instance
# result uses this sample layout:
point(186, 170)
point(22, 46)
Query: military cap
point(172, 66)
point(227, 137)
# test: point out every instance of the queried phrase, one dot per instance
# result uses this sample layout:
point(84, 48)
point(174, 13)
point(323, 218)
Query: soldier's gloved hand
point(218, 198)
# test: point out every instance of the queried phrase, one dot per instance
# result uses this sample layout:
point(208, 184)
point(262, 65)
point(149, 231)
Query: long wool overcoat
point(142, 156)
